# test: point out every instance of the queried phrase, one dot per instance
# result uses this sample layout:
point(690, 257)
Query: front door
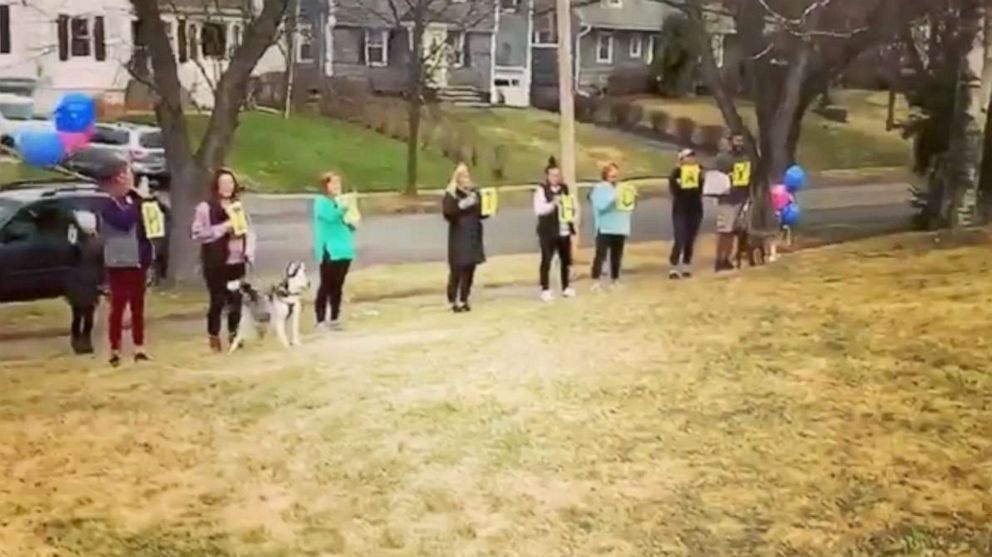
point(436, 56)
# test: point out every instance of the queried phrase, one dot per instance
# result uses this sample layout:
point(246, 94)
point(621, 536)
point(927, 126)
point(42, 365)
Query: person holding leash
point(227, 247)
point(127, 253)
point(555, 209)
point(334, 248)
point(462, 208)
point(730, 206)
point(686, 187)
point(612, 205)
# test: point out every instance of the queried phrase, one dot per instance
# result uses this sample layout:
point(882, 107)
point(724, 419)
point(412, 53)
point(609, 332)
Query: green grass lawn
point(862, 142)
point(835, 403)
point(278, 155)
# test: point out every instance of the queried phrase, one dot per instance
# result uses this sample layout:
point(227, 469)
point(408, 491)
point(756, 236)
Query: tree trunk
point(968, 127)
point(415, 100)
point(781, 152)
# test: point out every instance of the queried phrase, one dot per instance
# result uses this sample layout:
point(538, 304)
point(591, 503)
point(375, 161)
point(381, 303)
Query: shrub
point(635, 115)
point(585, 109)
point(620, 113)
point(685, 129)
point(660, 121)
point(709, 136)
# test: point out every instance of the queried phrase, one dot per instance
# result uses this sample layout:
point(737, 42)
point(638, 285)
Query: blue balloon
point(790, 214)
point(75, 113)
point(795, 178)
point(40, 148)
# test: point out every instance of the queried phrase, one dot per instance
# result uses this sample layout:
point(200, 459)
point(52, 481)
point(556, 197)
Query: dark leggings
point(332, 275)
point(460, 283)
point(220, 297)
point(561, 245)
point(82, 321)
point(685, 221)
point(612, 244)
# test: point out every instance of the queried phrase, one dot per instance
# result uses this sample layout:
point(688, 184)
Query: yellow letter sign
point(690, 177)
point(626, 197)
point(490, 201)
point(153, 219)
point(566, 209)
point(239, 220)
point(741, 175)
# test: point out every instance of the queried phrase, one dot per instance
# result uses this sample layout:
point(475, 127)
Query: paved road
point(283, 225)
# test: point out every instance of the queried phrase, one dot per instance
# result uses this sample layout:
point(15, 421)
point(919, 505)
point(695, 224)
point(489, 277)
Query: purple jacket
point(123, 218)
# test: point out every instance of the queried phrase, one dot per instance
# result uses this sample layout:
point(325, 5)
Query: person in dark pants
point(555, 209)
point(611, 216)
point(686, 186)
point(462, 208)
point(82, 286)
point(227, 243)
point(127, 254)
point(334, 248)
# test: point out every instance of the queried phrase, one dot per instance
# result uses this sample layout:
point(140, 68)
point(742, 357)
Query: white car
point(141, 144)
point(17, 116)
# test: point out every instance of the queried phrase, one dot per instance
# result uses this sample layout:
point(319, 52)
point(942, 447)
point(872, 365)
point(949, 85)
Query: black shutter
point(181, 41)
point(5, 29)
point(361, 46)
point(467, 44)
point(99, 39)
point(63, 24)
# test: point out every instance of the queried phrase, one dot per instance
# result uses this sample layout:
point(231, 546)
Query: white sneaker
point(322, 327)
point(596, 286)
point(334, 326)
point(547, 296)
point(568, 292)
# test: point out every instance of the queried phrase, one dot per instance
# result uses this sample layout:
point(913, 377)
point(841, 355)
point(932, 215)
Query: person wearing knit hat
point(686, 187)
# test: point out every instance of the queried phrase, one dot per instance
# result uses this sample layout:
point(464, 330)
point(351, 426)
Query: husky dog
point(281, 307)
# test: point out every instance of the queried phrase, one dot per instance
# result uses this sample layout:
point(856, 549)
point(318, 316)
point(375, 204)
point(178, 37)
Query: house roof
point(637, 15)
point(168, 6)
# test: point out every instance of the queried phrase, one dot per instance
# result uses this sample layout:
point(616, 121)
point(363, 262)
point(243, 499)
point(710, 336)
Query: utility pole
point(566, 102)
point(292, 28)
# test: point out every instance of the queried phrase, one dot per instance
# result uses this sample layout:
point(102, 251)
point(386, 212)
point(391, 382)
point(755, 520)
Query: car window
point(151, 140)
point(110, 136)
point(8, 208)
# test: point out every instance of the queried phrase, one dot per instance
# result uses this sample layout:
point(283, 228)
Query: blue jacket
point(331, 234)
point(606, 217)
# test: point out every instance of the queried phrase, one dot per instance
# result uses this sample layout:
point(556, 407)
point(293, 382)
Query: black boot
point(77, 345)
point(86, 345)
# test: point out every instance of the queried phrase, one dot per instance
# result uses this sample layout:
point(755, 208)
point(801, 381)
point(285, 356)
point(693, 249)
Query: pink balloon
point(74, 141)
point(780, 196)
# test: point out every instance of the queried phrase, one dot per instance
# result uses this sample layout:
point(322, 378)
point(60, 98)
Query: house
point(51, 47)
point(612, 39)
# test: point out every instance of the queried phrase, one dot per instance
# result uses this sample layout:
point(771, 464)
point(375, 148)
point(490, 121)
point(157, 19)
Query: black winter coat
point(465, 245)
point(82, 282)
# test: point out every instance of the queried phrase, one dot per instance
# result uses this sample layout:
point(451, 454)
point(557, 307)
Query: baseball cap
point(685, 153)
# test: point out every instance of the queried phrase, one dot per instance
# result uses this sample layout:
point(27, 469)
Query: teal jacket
point(605, 215)
point(331, 235)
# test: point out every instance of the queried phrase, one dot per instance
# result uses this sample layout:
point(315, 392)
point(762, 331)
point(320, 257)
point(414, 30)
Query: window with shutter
point(214, 40)
point(194, 42)
point(5, 29)
point(99, 39)
point(79, 46)
point(63, 32)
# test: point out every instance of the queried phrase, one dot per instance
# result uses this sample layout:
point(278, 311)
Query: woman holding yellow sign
point(555, 209)
point(462, 208)
point(686, 186)
point(613, 204)
point(335, 218)
point(222, 228)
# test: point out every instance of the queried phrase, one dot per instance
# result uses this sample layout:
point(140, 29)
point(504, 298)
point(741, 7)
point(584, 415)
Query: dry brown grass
point(836, 404)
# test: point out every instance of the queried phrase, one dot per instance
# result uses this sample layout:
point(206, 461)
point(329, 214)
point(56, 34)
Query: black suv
point(35, 251)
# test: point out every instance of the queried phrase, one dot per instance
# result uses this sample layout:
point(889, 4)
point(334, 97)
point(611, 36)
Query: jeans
point(127, 290)
point(332, 276)
point(220, 297)
point(611, 244)
point(561, 245)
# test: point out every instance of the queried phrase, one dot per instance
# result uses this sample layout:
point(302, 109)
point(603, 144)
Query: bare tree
point(792, 50)
point(414, 16)
point(190, 167)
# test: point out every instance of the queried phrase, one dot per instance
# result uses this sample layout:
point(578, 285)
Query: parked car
point(16, 116)
point(140, 144)
point(35, 249)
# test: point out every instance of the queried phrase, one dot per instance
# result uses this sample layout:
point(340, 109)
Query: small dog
point(280, 308)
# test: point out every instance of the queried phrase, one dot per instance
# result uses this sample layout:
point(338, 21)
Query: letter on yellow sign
point(626, 197)
point(690, 177)
point(490, 201)
point(239, 221)
point(741, 175)
point(154, 220)
point(566, 209)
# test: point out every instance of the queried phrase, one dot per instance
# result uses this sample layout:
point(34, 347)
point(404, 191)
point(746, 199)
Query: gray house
point(475, 49)
point(612, 39)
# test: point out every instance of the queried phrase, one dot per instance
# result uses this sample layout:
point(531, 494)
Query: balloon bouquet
point(784, 201)
point(75, 117)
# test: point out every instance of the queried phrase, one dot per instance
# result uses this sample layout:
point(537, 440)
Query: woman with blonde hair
point(334, 248)
point(462, 208)
point(611, 217)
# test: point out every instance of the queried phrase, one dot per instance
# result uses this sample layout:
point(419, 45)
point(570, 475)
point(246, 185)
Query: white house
point(85, 45)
